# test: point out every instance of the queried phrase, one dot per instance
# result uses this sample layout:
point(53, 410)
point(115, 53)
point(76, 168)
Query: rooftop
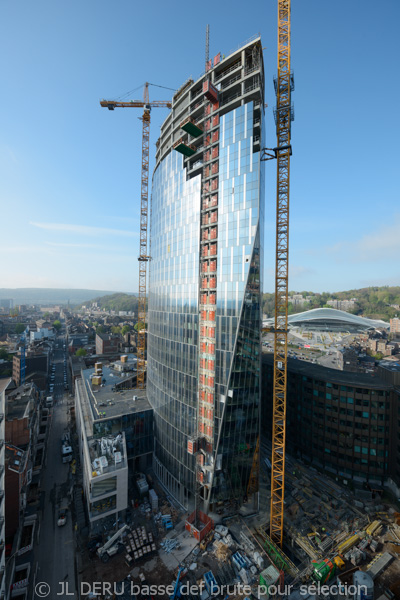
point(107, 401)
point(4, 383)
point(15, 458)
point(332, 318)
point(390, 366)
point(108, 336)
point(365, 380)
point(107, 453)
point(18, 401)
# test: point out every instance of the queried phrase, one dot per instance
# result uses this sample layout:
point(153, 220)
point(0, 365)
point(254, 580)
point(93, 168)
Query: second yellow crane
point(144, 203)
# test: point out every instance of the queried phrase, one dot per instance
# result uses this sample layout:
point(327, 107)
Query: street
point(55, 553)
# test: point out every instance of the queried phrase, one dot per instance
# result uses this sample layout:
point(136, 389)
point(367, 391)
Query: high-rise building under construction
point(204, 318)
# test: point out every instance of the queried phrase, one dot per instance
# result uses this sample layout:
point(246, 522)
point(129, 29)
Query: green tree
point(46, 315)
point(125, 329)
point(81, 352)
point(116, 329)
point(4, 354)
point(139, 325)
point(19, 328)
point(57, 325)
point(100, 329)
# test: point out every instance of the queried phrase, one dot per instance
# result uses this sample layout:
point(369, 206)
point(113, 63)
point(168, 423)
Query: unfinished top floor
point(235, 79)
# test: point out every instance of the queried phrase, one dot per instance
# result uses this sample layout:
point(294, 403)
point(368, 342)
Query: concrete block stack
point(153, 500)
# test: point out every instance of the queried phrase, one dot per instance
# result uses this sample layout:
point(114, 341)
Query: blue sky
point(70, 170)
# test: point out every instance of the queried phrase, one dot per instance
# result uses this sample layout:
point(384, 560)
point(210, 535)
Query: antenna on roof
point(207, 46)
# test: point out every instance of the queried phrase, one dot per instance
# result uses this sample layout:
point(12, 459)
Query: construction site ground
point(390, 578)
point(318, 510)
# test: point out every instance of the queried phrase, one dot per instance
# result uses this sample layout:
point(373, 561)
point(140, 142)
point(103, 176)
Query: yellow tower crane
point(144, 201)
point(284, 116)
point(284, 85)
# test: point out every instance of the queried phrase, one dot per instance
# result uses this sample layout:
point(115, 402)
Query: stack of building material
point(139, 544)
point(239, 561)
point(210, 582)
point(170, 510)
point(374, 528)
point(268, 577)
point(379, 564)
point(170, 544)
point(258, 559)
point(153, 500)
point(355, 556)
point(325, 544)
point(348, 543)
point(221, 551)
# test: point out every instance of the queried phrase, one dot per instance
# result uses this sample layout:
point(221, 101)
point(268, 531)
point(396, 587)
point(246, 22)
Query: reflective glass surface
point(172, 369)
point(173, 314)
point(238, 305)
point(138, 429)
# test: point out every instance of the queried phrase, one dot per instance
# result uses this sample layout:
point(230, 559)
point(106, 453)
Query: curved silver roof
point(335, 318)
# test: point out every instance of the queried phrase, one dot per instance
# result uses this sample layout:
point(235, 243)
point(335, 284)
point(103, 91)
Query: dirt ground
point(390, 578)
point(153, 569)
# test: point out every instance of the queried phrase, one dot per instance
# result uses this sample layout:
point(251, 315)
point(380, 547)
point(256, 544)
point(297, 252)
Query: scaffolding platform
point(184, 148)
point(191, 127)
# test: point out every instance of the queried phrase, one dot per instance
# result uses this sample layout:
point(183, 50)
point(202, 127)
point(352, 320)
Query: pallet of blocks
point(139, 544)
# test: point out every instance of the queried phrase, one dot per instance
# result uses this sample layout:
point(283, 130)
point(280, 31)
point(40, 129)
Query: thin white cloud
point(66, 245)
point(24, 249)
point(83, 229)
point(299, 271)
point(8, 153)
point(378, 245)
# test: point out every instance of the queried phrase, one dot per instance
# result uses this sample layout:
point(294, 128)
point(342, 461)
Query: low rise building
point(107, 343)
point(77, 341)
point(373, 345)
point(395, 325)
point(4, 383)
point(44, 324)
point(106, 409)
point(41, 333)
point(345, 305)
point(343, 422)
point(24, 425)
point(348, 360)
point(18, 474)
point(37, 360)
point(381, 346)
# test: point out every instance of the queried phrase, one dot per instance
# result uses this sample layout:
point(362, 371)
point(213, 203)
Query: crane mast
point(144, 201)
point(283, 117)
point(143, 257)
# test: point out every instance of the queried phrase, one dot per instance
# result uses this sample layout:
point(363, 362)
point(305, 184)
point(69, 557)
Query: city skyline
point(71, 170)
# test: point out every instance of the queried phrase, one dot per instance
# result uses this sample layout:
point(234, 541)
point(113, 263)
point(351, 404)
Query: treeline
point(372, 302)
point(115, 302)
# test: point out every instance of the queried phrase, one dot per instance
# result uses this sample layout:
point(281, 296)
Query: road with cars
point(55, 555)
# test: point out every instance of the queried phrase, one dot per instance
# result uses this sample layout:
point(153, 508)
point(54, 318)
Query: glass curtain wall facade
point(176, 355)
point(238, 305)
point(173, 321)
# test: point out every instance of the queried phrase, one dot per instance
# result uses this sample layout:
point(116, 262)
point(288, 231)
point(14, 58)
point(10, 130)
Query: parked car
point(62, 517)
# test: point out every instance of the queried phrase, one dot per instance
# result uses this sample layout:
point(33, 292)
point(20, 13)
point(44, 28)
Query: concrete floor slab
point(174, 558)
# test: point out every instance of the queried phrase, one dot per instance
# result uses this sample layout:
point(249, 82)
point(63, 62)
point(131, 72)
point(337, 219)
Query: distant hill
point(372, 302)
point(117, 302)
point(50, 295)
